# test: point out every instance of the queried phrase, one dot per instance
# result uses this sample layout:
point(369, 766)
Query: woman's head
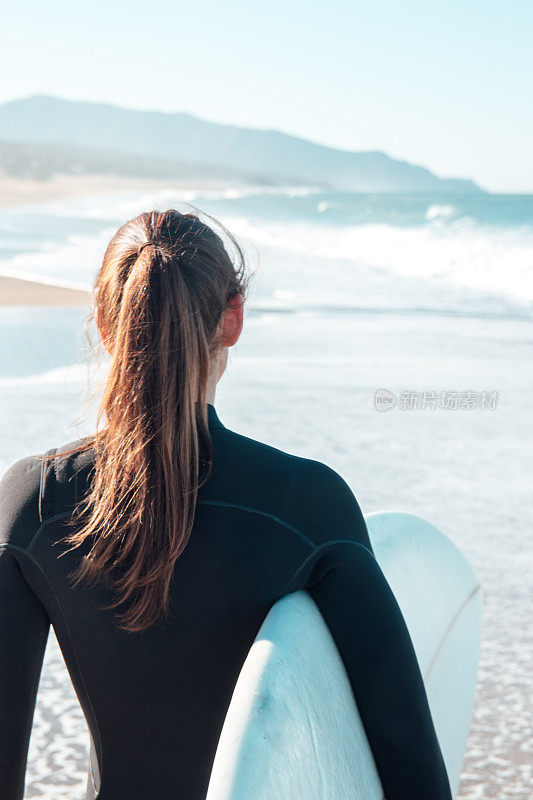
point(165, 271)
point(168, 303)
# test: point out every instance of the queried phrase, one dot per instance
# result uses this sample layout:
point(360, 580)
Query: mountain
point(188, 139)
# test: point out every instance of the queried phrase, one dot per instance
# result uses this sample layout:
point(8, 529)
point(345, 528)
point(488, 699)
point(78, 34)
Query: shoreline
point(16, 192)
point(26, 292)
point(20, 192)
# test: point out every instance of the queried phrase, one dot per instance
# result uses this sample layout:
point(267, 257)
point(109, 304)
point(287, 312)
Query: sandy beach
point(21, 191)
point(21, 292)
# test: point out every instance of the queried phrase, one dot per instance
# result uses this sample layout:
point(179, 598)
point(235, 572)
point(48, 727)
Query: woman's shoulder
point(39, 486)
point(306, 474)
point(308, 494)
point(236, 453)
point(19, 502)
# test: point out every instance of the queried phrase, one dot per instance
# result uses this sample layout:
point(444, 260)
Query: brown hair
point(165, 281)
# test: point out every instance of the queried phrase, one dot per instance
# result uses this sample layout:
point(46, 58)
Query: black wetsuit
point(267, 523)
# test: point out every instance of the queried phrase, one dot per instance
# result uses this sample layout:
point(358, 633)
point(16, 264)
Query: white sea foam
point(72, 264)
point(122, 206)
point(325, 205)
point(457, 253)
point(436, 211)
point(461, 255)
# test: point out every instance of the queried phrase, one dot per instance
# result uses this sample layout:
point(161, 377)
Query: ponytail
point(165, 281)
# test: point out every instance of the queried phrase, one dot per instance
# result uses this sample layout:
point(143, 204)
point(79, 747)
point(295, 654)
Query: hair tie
point(146, 244)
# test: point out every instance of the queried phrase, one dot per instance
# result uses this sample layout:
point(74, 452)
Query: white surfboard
point(293, 731)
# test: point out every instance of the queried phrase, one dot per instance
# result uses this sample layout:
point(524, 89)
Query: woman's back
point(266, 524)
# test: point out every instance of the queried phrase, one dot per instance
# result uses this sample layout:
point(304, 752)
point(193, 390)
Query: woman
point(157, 546)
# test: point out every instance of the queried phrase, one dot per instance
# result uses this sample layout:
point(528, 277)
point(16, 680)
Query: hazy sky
point(448, 85)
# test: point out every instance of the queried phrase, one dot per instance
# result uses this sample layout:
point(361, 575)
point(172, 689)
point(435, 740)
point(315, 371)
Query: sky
point(447, 85)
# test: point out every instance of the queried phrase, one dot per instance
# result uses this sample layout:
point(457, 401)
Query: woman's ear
point(232, 321)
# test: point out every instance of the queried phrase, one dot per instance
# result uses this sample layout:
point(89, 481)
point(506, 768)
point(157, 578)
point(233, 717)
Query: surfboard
point(293, 731)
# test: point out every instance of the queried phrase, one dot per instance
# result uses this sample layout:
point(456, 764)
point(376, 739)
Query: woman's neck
point(217, 367)
point(211, 386)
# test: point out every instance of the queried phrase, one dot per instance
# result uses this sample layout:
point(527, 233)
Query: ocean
point(426, 297)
